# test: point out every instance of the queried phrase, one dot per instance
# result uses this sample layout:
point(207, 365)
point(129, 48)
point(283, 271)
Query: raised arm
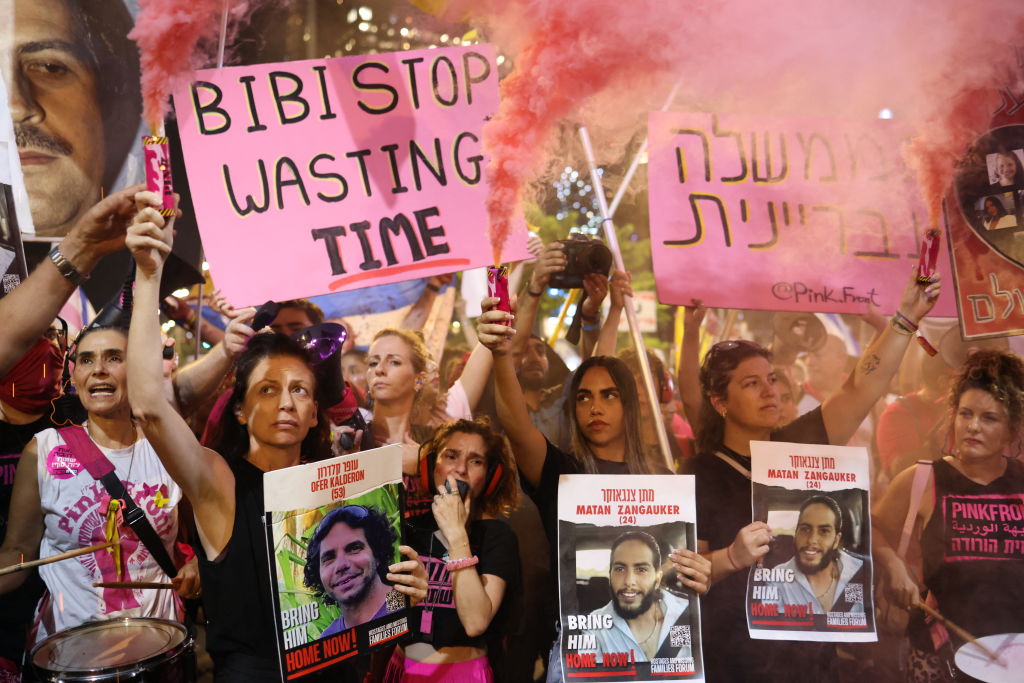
point(31, 307)
point(846, 409)
point(551, 260)
point(417, 316)
point(596, 288)
point(689, 364)
point(199, 379)
point(528, 444)
point(25, 524)
point(618, 289)
point(203, 475)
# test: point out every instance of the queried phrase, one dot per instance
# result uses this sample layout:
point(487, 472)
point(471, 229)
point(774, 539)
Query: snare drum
point(141, 649)
point(1008, 647)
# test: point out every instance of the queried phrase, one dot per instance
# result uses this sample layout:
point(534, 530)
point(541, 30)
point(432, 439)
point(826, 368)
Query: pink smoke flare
point(168, 33)
point(597, 62)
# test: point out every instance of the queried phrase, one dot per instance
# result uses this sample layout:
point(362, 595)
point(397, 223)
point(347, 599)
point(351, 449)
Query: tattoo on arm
point(869, 364)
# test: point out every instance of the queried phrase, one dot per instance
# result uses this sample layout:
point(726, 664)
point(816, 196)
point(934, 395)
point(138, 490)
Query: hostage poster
point(333, 528)
point(625, 615)
point(815, 582)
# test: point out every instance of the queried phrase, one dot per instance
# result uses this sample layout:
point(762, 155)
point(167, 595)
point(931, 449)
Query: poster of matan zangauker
point(815, 582)
point(625, 614)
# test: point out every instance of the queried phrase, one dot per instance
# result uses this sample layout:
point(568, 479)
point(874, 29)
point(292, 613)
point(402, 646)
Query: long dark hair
point(234, 436)
point(635, 458)
point(715, 372)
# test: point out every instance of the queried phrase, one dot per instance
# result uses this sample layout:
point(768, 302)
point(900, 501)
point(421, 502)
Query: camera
point(583, 255)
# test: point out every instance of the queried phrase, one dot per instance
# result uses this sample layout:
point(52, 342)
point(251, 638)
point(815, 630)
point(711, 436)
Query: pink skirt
point(403, 670)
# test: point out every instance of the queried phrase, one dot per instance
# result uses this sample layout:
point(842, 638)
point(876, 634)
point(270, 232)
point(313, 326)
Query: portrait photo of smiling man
point(641, 613)
point(821, 569)
point(72, 77)
point(346, 563)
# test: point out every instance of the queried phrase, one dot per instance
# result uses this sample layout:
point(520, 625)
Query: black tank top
point(237, 596)
point(236, 588)
point(973, 550)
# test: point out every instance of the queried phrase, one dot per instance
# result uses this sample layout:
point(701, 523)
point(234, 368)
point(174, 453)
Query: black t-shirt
point(494, 543)
point(16, 607)
point(723, 508)
point(545, 495)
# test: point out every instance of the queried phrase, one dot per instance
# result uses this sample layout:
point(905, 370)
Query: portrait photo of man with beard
point(346, 564)
point(640, 612)
point(820, 569)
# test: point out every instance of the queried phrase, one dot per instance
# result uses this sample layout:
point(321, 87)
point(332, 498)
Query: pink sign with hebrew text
point(320, 176)
point(782, 214)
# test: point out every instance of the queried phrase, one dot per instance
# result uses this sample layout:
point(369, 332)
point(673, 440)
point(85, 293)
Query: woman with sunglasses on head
point(740, 404)
point(605, 428)
point(967, 520)
point(271, 422)
point(472, 555)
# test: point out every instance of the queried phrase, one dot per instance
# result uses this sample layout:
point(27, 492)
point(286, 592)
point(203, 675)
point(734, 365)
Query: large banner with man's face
point(333, 528)
point(74, 99)
point(625, 614)
point(815, 582)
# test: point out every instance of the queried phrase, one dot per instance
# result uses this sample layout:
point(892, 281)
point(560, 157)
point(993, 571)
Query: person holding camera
point(471, 556)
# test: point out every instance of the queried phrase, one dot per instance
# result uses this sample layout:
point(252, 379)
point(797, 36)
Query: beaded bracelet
point(462, 563)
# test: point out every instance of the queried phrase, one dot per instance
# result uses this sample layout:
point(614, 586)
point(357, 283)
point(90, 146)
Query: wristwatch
point(65, 268)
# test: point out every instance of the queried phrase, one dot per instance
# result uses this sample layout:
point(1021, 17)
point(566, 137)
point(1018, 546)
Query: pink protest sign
point(321, 176)
point(792, 214)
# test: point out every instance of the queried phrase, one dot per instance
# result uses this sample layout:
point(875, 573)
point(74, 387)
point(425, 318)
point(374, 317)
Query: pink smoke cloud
point(605, 62)
point(168, 33)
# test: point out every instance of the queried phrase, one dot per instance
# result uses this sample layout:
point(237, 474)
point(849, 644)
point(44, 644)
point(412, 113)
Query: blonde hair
point(429, 403)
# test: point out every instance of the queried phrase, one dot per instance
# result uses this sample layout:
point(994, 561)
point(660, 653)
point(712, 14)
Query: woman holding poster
point(971, 523)
point(472, 556)
point(605, 430)
point(740, 404)
point(269, 424)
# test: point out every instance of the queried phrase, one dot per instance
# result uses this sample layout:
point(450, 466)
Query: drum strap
point(101, 469)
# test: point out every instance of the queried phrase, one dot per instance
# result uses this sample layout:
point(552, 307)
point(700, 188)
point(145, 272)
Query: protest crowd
point(501, 414)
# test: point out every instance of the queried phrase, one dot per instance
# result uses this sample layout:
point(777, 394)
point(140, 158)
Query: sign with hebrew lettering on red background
point(782, 214)
point(327, 175)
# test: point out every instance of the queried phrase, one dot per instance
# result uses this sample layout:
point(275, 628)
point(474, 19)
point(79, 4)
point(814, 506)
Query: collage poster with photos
point(985, 227)
point(333, 528)
point(625, 614)
point(815, 583)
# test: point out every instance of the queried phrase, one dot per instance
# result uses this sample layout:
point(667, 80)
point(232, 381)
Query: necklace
point(131, 459)
point(654, 629)
point(827, 588)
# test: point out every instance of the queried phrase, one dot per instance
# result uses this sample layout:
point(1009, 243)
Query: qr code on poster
point(394, 601)
point(854, 592)
point(679, 636)
point(10, 282)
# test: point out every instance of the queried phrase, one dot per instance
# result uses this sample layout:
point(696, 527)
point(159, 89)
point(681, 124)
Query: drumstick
point(57, 558)
point(960, 632)
point(132, 584)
